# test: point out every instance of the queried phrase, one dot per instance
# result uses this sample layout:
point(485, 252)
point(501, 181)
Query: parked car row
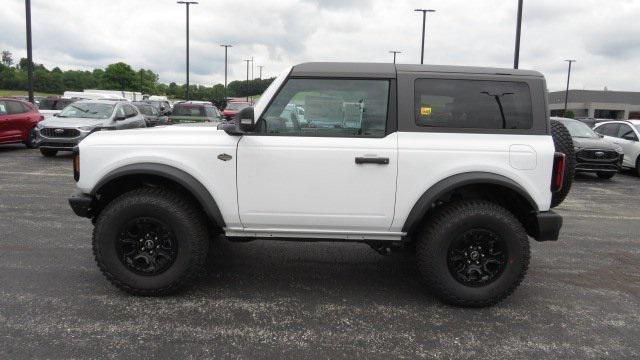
point(59, 123)
point(607, 148)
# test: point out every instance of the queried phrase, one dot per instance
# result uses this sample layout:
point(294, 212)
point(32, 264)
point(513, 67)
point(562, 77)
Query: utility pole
point(252, 68)
point(394, 54)
point(187, 3)
point(566, 93)
point(260, 67)
point(226, 46)
point(247, 87)
point(424, 19)
point(27, 6)
point(516, 54)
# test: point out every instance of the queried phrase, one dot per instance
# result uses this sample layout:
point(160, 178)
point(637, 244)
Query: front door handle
point(372, 160)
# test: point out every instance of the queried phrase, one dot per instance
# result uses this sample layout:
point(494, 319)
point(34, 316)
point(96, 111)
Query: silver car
point(65, 130)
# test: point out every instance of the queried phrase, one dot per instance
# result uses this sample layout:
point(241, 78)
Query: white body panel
point(313, 183)
point(426, 158)
point(191, 149)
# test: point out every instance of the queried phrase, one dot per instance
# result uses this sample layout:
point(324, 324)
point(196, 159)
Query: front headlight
point(85, 128)
point(40, 125)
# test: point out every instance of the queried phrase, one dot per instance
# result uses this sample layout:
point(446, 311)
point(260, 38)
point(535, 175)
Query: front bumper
point(589, 164)
point(60, 143)
point(81, 204)
point(545, 225)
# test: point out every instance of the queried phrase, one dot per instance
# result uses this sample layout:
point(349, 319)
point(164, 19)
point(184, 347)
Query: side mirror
point(230, 128)
point(56, 115)
point(245, 120)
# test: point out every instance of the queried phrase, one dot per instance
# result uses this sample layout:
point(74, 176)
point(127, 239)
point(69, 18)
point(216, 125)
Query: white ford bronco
point(455, 163)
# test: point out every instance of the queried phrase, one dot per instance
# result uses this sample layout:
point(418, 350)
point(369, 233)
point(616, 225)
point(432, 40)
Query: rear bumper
point(81, 204)
point(546, 225)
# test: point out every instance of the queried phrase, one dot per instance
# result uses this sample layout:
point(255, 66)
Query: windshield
point(578, 129)
point(145, 109)
point(46, 104)
point(236, 106)
point(637, 126)
point(88, 111)
point(188, 110)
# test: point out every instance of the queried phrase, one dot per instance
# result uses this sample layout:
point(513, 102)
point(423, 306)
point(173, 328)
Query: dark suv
point(593, 153)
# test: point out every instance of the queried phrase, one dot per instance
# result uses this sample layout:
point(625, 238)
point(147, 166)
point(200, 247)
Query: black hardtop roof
point(388, 70)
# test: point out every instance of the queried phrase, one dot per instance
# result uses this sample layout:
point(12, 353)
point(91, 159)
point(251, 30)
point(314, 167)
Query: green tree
point(119, 76)
point(7, 58)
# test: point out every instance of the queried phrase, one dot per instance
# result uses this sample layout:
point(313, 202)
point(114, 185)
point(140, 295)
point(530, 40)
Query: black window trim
point(469, 129)
point(391, 125)
point(537, 88)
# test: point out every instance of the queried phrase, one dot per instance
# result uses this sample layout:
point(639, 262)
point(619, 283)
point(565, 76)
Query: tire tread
point(196, 269)
point(432, 230)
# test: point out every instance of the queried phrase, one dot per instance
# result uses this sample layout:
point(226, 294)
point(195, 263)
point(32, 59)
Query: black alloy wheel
point(477, 257)
point(146, 246)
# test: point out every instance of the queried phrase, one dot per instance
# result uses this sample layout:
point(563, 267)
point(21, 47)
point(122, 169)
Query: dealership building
point(597, 104)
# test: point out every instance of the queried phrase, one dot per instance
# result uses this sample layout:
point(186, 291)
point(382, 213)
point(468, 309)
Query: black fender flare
point(191, 184)
point(429, 197)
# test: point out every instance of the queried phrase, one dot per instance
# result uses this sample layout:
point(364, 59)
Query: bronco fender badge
point(224, 157)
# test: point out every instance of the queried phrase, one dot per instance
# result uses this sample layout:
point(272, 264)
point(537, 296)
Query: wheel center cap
point(149, 244)
point(474, 255)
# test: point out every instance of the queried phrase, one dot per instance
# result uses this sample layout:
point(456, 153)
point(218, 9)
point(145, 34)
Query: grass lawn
point(21, 93)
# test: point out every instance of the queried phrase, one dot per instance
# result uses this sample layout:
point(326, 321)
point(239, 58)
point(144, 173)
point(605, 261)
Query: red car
point(18, 120)
point(233, 107)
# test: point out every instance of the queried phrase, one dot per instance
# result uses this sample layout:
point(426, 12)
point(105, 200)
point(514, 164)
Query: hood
point(72, 122)
point(591, 143)
point(160, 136)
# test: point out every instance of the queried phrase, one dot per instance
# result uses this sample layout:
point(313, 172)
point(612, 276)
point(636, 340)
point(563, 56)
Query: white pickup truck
point(457, 163)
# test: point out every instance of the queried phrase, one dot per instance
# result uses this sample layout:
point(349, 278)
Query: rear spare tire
point(564, 144)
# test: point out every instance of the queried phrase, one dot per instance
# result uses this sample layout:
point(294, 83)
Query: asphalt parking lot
point(581, 298)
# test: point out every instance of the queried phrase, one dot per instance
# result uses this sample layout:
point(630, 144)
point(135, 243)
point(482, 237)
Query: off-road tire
point(605, 175)
point(180, 215)
point(48, 152)
point(31, 139)
point(564, 144)
point(445, 225)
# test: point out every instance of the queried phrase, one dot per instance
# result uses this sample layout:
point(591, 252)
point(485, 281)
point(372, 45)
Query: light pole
point(394, 54)
point(260, 67)
point(27, 6)
point(516, 54)
point(252, 68)
point(226, 46)
point(187, 3)
point(566, 93)
point(247, 87)
point(424, 19)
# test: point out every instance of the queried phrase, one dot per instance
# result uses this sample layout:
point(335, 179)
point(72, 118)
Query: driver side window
point(120, 112)
point(328, 107)
point(626, 132)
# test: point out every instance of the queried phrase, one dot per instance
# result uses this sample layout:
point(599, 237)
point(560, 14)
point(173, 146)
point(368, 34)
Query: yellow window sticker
point(425, 110)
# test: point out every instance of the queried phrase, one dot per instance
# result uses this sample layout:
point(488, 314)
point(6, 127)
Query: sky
point(603, 36)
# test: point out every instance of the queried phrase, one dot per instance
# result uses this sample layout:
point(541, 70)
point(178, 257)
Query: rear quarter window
point(472, 104)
